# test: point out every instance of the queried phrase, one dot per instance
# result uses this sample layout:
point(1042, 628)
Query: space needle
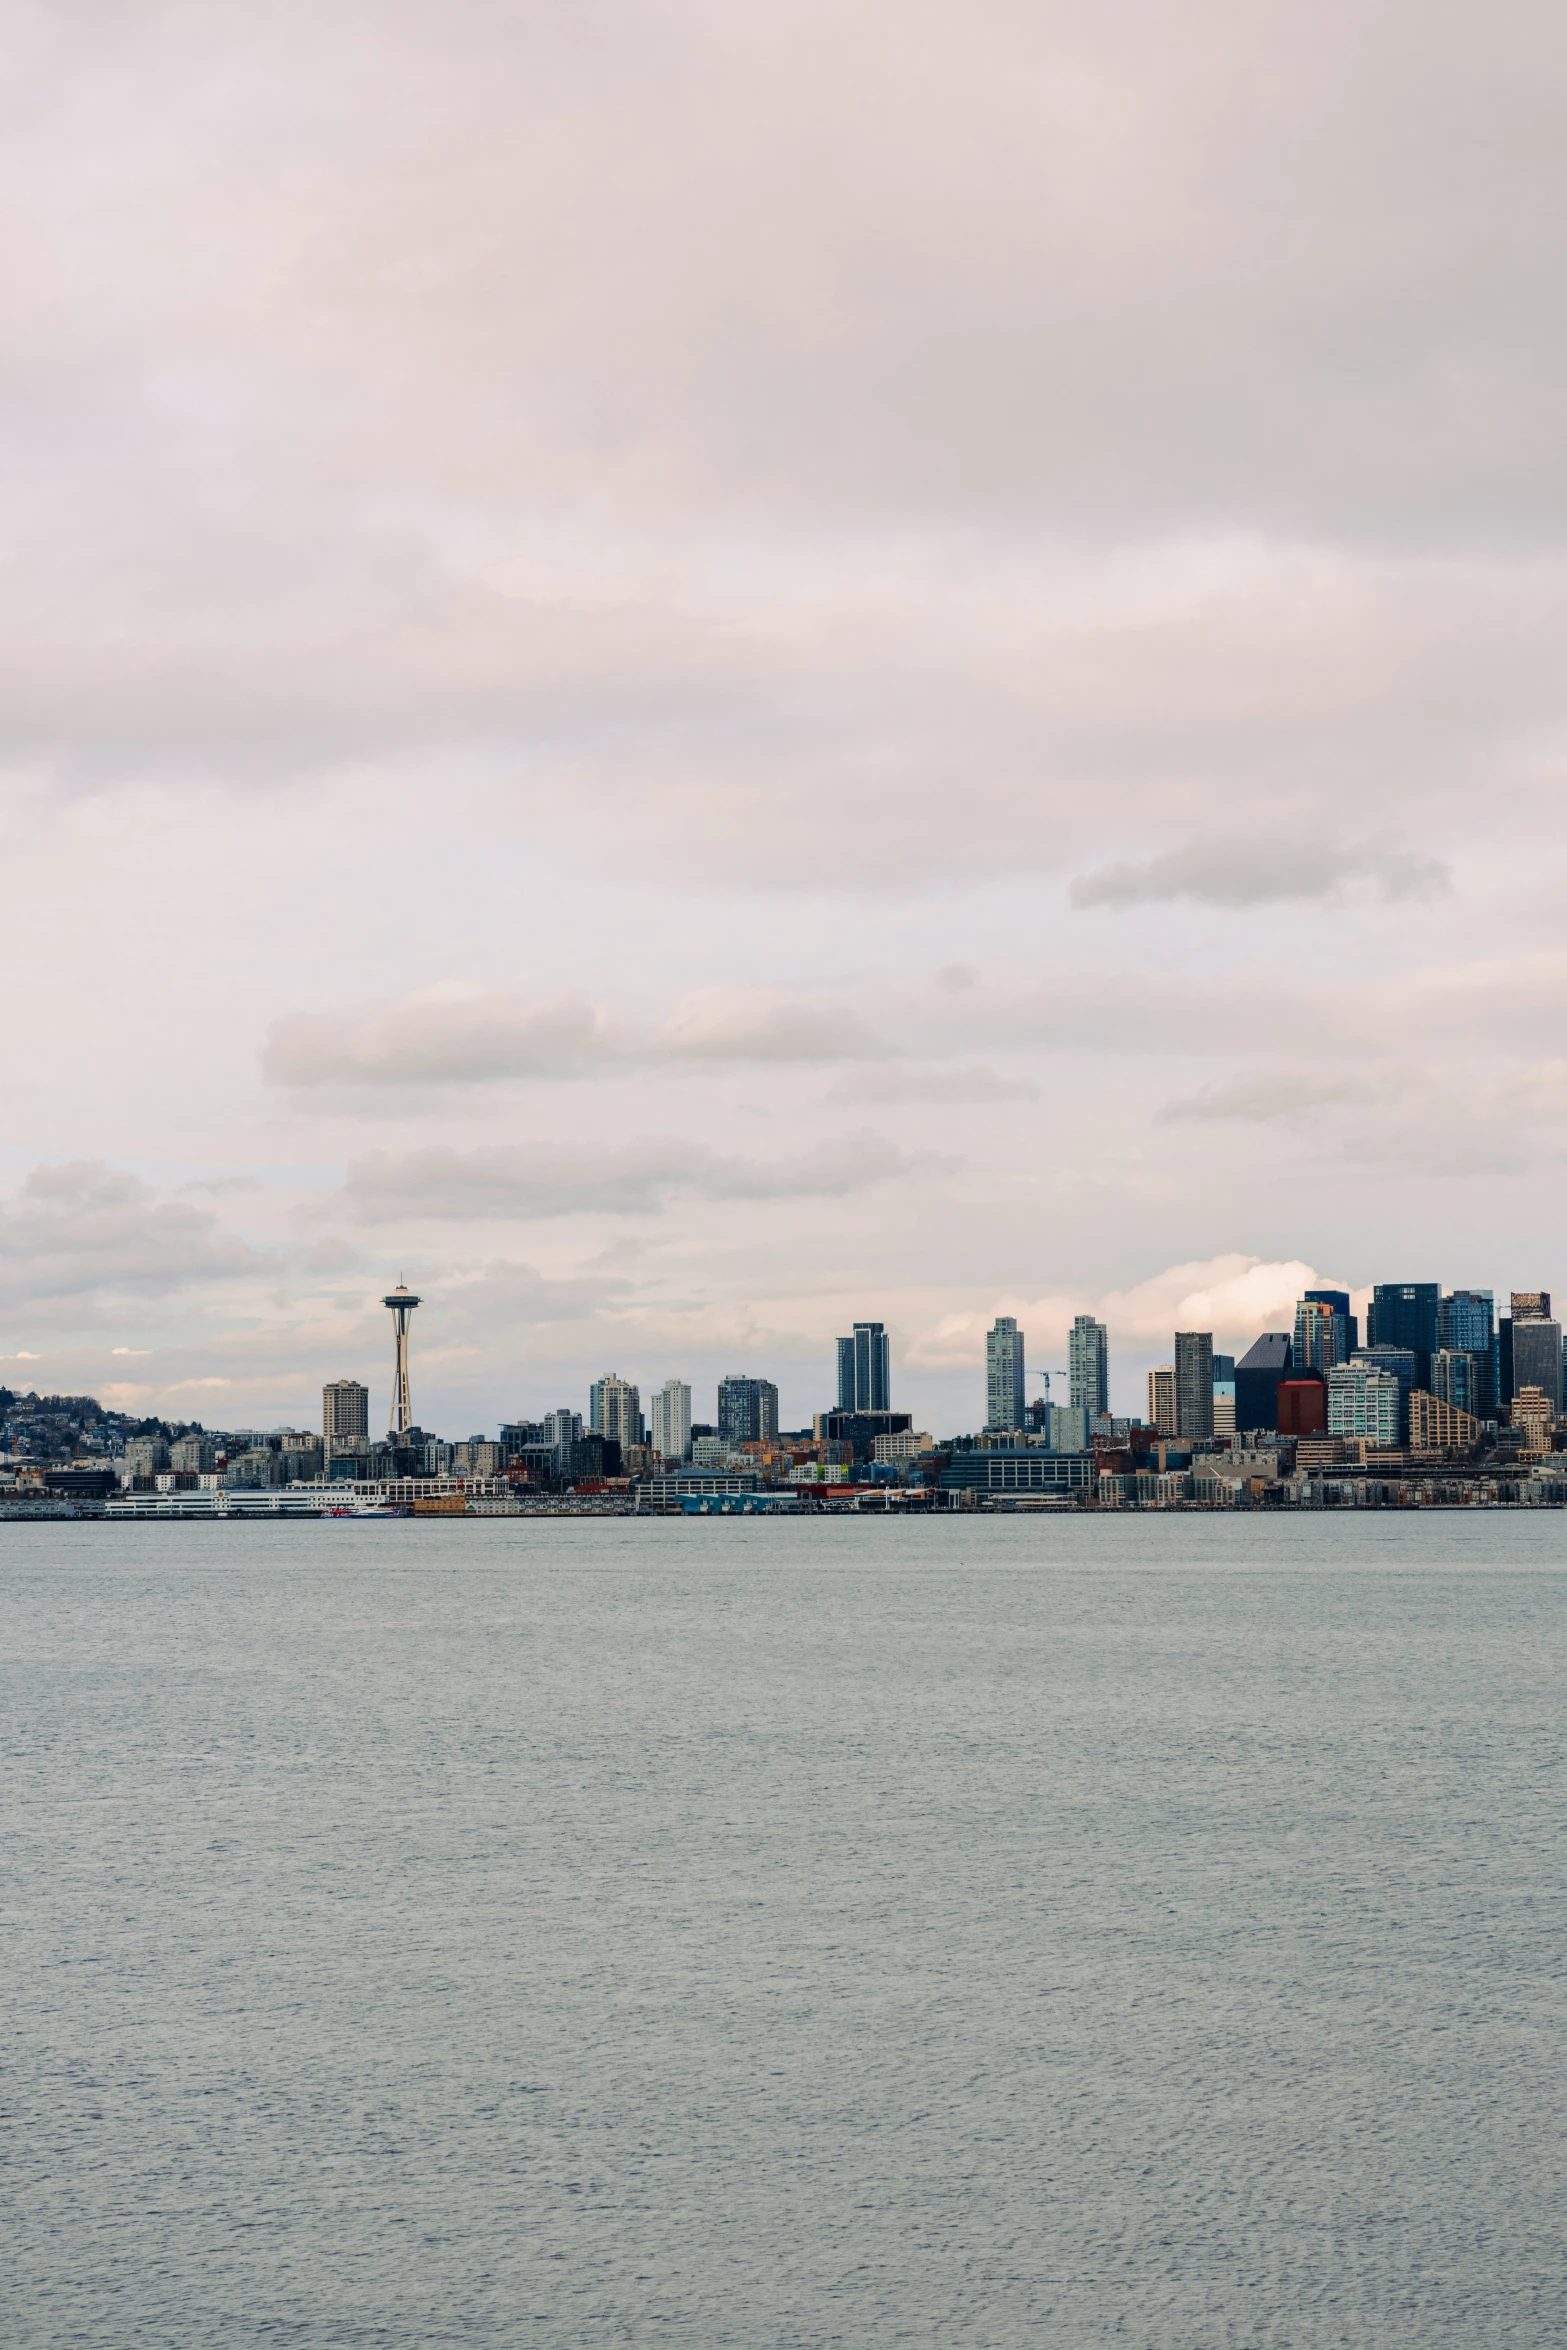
point(402, 1302)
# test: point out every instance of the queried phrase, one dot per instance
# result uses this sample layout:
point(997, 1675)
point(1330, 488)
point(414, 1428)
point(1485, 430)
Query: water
point(1051, 1932)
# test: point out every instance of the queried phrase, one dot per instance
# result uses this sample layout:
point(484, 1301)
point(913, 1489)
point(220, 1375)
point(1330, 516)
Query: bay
point(1072, 1931)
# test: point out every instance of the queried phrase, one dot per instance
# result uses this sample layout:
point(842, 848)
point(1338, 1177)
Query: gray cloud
point(1262, 868)
point(84, 1230)
point(1274, 1097)
point(501, 1181)
point(450, 1038)
point(438, 1040)
point(919, 1082)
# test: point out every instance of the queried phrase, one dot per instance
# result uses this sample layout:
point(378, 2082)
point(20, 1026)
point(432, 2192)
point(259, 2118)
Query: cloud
point(502, 1181)
point(1275, 1097)
point(84, 1229)
point(921, 1083)
point(724, 1024)
point(443, 1037)
point(1252, 871)
point(454, 1036)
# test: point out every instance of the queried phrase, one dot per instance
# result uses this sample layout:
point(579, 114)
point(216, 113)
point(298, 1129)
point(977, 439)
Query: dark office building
point(861, 1429)
point(1257, 1377)
point(1404, 1313)
point(1466, 1324)
point(1302, 1406)
point(1504, 1366)
point(1537, 1354)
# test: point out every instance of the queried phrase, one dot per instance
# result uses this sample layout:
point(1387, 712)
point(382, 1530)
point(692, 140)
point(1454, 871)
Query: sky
point(696, 671)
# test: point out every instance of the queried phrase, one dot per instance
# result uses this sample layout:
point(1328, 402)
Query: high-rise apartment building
point(1366, 1402)
point(1537, 1352)
point(1088, 1366)
point(1325, 1331)
point(669, 1415)
point(345, 1417)
point(1194, 1383)
point(1005, 1401)
point(1404, 1313)
point(1161, 1398)
point(747, 1410)
point(615, 1411)
point(563, 1433)
point(864, 1370)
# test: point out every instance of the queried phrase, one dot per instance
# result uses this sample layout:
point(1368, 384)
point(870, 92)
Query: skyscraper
point(1088, 1365)
point(615, 1410)
point(1194, 1383)
point(1404, 1313)
point(747, 1410)
point(345, 1417)
point(1325, 1331)
point(1161, 1398)
point(1257, 1377)
point(1004, 1397)
point(864, 1375)
point(669, 1411)
point(1537, 1346)
point(1465, 1324)
point(562, 1433)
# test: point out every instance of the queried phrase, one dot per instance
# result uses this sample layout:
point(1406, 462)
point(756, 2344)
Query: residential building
point(1324, 1328)
point(669, 1413)
point(1365, 1401)
point(1257, 1377)
point(907, 1445)
point(864, 1370)
point(1088, 1366)
point(345, 1417)
point(1537, 1354)
point(1534, 1412)
point(478, 1458)
point(1066, 1428)
point(197, 1453)
point(562, 1433)
point(1161, 1398)
point(1194, 1383)
point(1400, 1363)
point(1436, 1425)
point(615, 1411)
point(747, 1410)
point(1004, 1397)
point(1404, 1313)
point(145, 1456)
point(438, 1456)
point(1224, 1402)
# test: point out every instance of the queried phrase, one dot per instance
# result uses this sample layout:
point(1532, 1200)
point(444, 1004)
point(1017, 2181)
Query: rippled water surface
point(1060, 1933)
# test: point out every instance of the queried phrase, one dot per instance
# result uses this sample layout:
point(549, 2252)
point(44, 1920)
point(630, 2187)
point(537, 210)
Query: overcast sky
point(700, 668)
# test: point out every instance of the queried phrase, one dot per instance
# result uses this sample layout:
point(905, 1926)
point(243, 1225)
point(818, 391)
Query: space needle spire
point(402, 1302)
